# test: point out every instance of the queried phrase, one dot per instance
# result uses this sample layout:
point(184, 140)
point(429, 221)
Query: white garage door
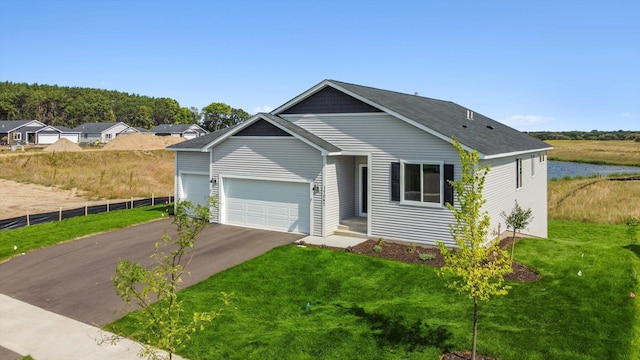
point(44, 139)
point(189, 135)
point(195, 188)
point(70, 137)
point(272, 205)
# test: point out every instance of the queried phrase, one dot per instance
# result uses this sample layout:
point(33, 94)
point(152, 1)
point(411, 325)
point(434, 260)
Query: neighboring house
point(102, 131)
point(20, 131)
point(340, 150)
point(187, 131)
point(50, 134)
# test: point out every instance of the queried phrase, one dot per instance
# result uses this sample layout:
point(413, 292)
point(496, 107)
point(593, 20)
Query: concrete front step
point(343, 232)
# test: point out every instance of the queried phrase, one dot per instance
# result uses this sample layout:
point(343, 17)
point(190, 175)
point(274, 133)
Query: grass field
point(43, 235)
point(101, 174)
point(365, 308)
point(597, 200)
point(614, 152)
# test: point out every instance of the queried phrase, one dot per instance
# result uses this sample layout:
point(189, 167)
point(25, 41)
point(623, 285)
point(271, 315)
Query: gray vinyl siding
point(501, 193)
point(346, 169)
point(190, 162)
point(339, 191)
point(281, 158)
point(331, 197)
point(389, 140)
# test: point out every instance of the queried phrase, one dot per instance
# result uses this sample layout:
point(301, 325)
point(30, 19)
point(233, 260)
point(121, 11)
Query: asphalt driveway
point(74, 279)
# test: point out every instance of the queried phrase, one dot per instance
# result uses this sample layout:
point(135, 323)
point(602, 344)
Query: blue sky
point(534, 65)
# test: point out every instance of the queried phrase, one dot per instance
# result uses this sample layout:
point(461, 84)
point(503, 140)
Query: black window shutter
point(395, 181)
point(448, 189)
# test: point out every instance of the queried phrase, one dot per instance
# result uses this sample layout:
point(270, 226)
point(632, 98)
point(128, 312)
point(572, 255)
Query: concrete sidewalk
point(30, 330)
point(338, 241)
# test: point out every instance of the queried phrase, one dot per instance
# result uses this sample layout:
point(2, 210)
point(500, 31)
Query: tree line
point(74, 106)
point(587, 135)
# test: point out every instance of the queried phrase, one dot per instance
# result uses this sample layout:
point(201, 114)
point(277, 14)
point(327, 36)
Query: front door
point(363, 189)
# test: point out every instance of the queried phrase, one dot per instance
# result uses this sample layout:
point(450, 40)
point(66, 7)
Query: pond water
point(560, 169)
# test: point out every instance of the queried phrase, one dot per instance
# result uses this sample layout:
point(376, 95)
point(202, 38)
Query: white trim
point(253, 120)
point(515, 153)
point(323, 213)
point(222, 218)
point(402, 181)
point(351, 153)
point(190, 150)
point(359, 177)
point(49, 127)
point(369, 208)
point(341, 115)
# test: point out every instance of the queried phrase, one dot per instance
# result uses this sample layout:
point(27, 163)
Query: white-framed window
point(107, 136)
point(17, 136)
point(518, 173)
point(422, 183)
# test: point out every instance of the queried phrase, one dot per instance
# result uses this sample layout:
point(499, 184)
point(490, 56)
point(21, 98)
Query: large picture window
point(422, 183)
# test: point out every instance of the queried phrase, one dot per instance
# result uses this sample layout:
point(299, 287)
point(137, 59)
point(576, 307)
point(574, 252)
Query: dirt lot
point(18, 199)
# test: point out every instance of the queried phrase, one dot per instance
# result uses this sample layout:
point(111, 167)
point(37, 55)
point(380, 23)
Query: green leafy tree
point(477, 266)
point(155, 290)
point(517, 219)
point(216, 116)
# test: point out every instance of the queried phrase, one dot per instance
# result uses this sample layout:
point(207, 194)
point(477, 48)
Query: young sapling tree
point(155, 290)
point(517, 219)
point(477, 266)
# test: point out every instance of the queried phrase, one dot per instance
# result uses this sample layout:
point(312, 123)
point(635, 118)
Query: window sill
point(422, 205)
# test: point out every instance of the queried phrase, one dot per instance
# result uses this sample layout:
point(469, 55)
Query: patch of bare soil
point(63, 145)
point(21, 199)
point(141, 142)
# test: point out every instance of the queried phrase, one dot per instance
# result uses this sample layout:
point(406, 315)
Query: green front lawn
point(42, 235)
point(365, 308)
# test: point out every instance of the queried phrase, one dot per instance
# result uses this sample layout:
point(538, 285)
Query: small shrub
point(377, 248)
point(633, 221)
point(380, 241)
point(412, 248)
point(426, 256)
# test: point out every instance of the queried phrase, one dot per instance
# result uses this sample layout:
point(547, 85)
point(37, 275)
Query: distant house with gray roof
point(341, 154)
point(102, 131)
point(187, 131)
point(34, 132)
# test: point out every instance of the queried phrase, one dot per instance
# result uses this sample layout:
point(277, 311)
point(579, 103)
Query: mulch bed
point(403, 252)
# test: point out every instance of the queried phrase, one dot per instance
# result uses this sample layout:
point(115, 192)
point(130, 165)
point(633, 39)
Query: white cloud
point(263, 108)
point(527, 122)
point(625, 115)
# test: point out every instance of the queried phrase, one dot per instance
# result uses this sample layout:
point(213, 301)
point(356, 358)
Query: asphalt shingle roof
point(486, 135)
point(92, 128)
point(171, 128)
point(203, 141)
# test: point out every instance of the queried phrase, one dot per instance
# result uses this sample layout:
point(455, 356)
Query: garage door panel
point(195, 188)
point(275, 205)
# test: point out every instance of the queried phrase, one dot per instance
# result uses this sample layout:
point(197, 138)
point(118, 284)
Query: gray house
point(102, 131)
point(50, 134)
point(20, 131)
point(341, 151)
point(187, 131)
